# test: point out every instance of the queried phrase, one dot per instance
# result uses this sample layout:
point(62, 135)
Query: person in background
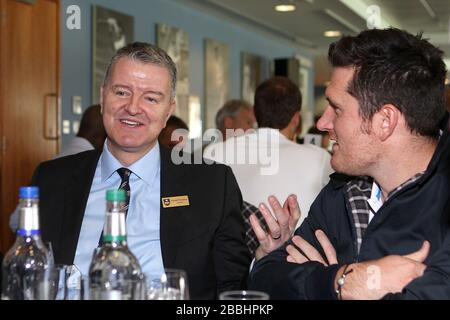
point(447, 98)
point(91, 133)
point(235, 115)
point(173, 123)
point(201, 231)
point(325, 141)
point(378, 229)
point(270, 162)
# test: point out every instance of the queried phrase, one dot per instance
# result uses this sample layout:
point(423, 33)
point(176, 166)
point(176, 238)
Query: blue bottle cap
point(29, 192)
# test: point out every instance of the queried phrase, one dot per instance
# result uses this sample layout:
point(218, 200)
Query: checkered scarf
point(250, 236)
point(358, 192)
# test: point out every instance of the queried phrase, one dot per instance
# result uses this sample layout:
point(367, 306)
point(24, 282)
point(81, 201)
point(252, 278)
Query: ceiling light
point(332, 33)
point(285, 7)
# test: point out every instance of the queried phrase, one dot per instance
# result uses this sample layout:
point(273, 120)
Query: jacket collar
point(173, 184)
point(76, 194)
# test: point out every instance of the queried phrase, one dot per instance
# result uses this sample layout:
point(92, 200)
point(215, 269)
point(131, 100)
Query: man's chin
point(132, 147)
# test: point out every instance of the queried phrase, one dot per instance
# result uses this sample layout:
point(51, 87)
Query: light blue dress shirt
point(143, 212)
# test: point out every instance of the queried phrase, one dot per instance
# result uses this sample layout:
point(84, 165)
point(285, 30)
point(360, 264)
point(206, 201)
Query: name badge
point(173, 202)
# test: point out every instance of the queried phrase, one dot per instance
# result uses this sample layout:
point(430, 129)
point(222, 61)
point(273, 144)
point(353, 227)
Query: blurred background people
point(91, 134)
point(324, 135)
point(298, 169)
point(173, 123)
point(447, 98)
point(235, 114)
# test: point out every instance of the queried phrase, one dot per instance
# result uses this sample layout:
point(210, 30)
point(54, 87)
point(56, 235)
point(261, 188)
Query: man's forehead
point(340, 79)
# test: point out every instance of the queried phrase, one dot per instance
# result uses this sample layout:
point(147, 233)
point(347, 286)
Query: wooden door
point(29, 97)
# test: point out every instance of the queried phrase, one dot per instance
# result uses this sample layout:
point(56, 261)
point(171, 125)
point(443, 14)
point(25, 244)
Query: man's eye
point(152, 100)
point(120, 93)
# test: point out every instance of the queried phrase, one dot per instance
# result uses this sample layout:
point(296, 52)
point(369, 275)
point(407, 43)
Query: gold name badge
point(173, 202)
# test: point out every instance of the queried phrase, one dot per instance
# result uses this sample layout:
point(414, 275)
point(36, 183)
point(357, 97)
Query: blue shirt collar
point(145, 168)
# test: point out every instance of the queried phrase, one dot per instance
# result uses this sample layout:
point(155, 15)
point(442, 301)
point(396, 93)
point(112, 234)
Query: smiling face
point(136, 104)
point(356, 151)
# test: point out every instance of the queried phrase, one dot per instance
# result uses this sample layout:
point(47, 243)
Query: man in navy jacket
point(378, 229)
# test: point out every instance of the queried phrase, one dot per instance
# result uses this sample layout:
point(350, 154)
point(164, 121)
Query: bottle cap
point(115, 195)
point(29, 192)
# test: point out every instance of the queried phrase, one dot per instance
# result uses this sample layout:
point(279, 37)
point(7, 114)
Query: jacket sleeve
point(434, 283)
point(285, 280)
point(231, 256)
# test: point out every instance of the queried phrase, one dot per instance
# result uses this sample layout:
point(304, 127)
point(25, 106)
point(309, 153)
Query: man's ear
point(173, 105)
point(296, 119)
point(386, 121)
point(294, 123)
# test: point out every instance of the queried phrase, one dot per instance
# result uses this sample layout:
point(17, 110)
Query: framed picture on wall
point(176, 43)
point(216, 79)
point(112, 30)
point(252, 74)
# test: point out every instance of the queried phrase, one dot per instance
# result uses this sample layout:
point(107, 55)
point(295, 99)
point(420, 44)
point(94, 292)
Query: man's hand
point(281, 227)
point(374, 279)
point(308, 253)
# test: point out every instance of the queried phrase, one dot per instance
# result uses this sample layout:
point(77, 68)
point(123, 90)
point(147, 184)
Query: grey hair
point(146, 53)
point(230, 109)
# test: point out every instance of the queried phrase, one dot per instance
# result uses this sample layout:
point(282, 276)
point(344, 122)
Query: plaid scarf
point(357, 192)
point(250, 236)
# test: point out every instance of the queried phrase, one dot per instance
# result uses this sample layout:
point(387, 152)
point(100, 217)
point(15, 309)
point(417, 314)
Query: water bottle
point(115, 273)
point(28, 257)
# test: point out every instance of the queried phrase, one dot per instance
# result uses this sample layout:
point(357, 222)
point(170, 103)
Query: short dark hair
point(276, 101)
point(176, 122)
point(146, 53)
point(91, 126)
point(398, 68)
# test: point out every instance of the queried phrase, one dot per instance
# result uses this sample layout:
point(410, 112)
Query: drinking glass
point(171, 285)
point(49, 246)
point(73, 283)
point(116, 289)
point(243, 295)
point(47, 284)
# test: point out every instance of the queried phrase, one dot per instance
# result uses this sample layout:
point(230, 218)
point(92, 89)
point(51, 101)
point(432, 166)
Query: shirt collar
point(375, 200)
point(265, 131)
point(145, 168)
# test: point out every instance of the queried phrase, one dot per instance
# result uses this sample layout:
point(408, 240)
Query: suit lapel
point(172, 223)
point(76, 195)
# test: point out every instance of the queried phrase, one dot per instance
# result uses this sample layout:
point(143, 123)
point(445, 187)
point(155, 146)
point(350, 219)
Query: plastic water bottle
point(115, 273)
point(28, 257)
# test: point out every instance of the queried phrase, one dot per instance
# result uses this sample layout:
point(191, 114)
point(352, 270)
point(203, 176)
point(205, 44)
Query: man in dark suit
point(179, 216)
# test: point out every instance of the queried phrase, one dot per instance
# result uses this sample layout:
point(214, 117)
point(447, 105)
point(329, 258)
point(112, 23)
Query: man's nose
point(133, 106)
point(325, 122)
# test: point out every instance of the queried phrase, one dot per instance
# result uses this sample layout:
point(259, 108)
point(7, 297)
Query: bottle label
point(110, 238)
point(27, 233)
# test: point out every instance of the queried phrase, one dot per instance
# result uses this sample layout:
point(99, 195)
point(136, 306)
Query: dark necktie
point(124, 174)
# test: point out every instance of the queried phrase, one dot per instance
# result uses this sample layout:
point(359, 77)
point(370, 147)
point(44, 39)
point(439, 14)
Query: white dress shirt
point(282, 167)
point(143, 218)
